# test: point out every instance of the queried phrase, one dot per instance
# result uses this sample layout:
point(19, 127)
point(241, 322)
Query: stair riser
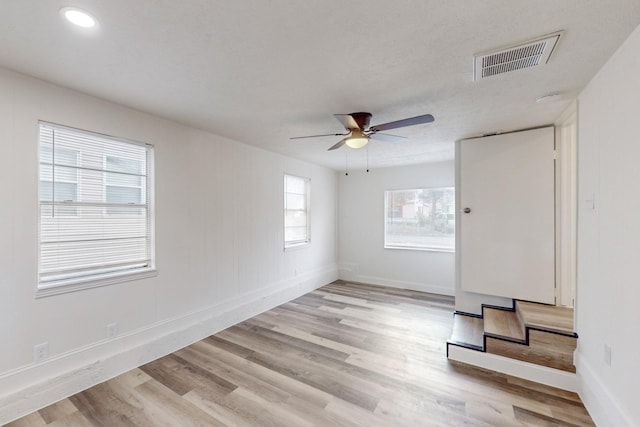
point(545, 349)
point(503, 324)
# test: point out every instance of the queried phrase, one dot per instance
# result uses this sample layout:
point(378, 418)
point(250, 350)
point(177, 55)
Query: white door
point(507, 236)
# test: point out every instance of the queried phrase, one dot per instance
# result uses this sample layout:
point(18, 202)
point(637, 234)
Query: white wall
point(608, 290)
point(361, 252)
point(219, 246)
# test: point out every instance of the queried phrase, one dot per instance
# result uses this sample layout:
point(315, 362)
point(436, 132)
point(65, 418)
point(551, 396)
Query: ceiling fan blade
point(338, 145)
point(318, 136)
point(388, 138)
point(347, 121)
point(418, 120)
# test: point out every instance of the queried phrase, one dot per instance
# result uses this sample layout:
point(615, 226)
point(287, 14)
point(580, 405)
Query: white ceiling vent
point(524, 55)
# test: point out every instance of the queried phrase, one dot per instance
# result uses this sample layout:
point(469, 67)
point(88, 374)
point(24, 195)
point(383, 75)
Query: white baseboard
point(601, 404)
point(400, 284)
point(35, 386)
point(516, 368)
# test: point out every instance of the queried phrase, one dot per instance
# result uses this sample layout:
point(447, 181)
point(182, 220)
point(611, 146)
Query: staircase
point(530, 332)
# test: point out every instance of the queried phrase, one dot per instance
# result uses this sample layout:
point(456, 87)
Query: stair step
point(503, 324)
point(546, 349)
point(533, 333)
point(467, 332)
point(546, 317)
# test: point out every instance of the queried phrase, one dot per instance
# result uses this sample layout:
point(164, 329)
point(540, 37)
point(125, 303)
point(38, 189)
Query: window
point(65, 183)
point(422, 218)
point(123, 184)
point(296, 211)
point(95, 210)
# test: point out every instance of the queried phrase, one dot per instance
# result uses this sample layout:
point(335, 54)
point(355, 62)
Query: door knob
point(466, 210)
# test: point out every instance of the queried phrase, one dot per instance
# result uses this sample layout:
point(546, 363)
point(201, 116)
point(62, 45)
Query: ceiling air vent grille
point(524, 55)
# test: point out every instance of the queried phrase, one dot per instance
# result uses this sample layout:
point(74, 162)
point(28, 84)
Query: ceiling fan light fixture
point(357, 142)
point(359, 131)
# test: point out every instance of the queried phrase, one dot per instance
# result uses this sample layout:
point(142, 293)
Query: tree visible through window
point(422, 218)
point(95, 209)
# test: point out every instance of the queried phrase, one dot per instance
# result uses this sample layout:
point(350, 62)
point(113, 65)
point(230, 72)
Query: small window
point(296, 211)
point(95, 210)
point(422, 219)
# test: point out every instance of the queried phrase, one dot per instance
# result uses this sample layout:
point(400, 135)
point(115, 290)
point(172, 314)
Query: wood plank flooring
point(343, 355)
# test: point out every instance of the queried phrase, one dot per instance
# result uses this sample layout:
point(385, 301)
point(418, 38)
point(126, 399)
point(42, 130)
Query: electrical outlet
point(607, 355)
point(112, 330)
point(40, 352)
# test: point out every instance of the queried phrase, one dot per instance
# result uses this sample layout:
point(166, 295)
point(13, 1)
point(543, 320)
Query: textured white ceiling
point(260, 71)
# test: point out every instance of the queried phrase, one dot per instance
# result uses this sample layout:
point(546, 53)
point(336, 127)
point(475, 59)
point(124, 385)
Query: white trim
point(53, 125)
point(516, 368)
point(84, 282)
point(421, 248)
point(297, 246)
point(35, 386)
point(602, 406)
point(566, 205)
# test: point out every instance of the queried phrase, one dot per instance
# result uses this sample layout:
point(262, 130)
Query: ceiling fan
point(359, 130)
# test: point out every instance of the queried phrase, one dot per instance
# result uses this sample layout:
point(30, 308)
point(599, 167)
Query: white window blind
point(296, 210)
point(95, 208)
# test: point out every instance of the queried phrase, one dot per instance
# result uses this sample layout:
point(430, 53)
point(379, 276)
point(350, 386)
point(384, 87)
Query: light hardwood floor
point(343, 355)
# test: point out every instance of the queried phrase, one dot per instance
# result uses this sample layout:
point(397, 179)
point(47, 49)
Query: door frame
point(566, 205)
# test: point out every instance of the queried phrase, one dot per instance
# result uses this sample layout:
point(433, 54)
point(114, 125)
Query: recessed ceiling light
point(78, 17)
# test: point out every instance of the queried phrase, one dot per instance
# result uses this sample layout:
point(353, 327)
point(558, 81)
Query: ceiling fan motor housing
point(362, 119)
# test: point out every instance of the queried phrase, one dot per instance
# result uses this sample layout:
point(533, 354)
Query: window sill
point(79, 284)
point(297, 246)
point(416, 248)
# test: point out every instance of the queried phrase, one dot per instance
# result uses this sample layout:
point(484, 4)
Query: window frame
point(73, 280)
point(415, 247)
point(292, 244)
